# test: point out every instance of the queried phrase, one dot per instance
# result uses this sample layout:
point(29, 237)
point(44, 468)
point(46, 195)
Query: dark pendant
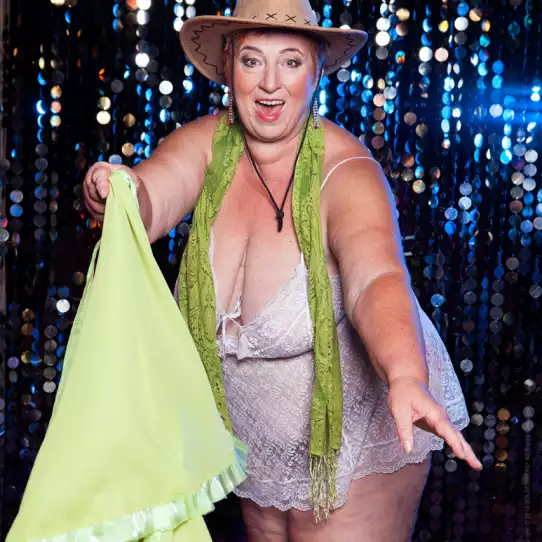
point(280, 217)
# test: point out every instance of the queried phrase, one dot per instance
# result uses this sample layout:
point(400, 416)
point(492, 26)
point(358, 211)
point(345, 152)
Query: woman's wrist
point(145, 208)
point(132, 181)
point(421, 377)
point(141, 195)
point(409, 367)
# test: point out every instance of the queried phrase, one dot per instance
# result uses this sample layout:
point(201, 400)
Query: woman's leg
point(380, 507)
point(264, 524)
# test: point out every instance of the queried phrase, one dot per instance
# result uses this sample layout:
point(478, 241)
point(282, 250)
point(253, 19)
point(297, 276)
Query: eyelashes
point(293, 63)
point(251, 62)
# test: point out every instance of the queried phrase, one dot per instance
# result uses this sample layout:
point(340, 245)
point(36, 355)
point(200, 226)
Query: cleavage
point(249, 300)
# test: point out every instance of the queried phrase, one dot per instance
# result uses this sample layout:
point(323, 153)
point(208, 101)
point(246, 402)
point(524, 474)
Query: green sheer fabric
point(135, 449)
point(198, 303)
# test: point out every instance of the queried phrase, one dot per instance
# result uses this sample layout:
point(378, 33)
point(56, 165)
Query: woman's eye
point(292, 63)
point(250, 62)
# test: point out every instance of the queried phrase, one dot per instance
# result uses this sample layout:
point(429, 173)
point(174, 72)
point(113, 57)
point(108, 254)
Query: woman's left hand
point(411, 404)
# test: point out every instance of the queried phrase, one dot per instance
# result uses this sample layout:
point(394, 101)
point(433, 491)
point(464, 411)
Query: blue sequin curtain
point(446, 95)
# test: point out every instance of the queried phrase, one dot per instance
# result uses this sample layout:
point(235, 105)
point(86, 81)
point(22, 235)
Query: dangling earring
point(230, 111)
point(315, 111)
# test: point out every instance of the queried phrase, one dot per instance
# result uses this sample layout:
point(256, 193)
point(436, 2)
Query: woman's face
point(274, 81)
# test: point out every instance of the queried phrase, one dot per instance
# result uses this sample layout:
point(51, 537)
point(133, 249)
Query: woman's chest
point(252, 260)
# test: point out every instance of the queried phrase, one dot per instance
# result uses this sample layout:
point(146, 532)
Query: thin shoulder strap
point(343, 162)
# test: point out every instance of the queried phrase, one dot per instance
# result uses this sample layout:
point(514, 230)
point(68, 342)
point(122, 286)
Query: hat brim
point(202, 39)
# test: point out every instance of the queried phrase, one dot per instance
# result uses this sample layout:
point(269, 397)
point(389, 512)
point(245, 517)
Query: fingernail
point(408, 446)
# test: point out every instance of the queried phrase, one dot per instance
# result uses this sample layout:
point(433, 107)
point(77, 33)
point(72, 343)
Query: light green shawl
point(135, 449)
point(198, 304)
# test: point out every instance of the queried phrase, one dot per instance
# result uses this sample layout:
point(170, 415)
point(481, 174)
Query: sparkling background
point(447, 96)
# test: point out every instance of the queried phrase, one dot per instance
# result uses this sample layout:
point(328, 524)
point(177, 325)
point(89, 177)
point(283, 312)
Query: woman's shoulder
point(208, 122)
point(341, 145)
point(196, 135)
point(345, 150)
point(201, 128)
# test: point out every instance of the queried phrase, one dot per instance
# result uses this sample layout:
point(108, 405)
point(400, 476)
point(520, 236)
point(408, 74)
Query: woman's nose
point(270, 81)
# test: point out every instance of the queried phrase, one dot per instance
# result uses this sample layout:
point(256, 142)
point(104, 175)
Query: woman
point(295, 249)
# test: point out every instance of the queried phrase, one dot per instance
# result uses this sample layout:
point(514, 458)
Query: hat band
point(290, 28)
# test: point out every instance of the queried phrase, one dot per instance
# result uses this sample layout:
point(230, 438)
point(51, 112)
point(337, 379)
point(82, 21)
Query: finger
point(447, 431)
point(467, 453)
point(99, 176)
point(424, 425)
point(93, 202)
point(430, 428)
point(95, 215)
point(91, 191)
point(470, 456)
point(95, 208)
point(405, 428)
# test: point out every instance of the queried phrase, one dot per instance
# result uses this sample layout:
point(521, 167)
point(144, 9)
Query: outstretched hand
point(96, 187)
point(411, 404)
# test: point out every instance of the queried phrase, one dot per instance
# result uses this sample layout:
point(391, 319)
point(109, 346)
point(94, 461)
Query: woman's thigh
point(379, 507)
point(264, 524)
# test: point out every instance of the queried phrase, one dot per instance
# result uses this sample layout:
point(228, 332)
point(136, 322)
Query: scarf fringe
point(323, 473)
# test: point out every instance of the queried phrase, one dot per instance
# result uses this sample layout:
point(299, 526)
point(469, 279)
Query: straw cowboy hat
point(203, 37)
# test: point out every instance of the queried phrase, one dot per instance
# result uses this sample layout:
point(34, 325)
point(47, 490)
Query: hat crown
point(287, 12)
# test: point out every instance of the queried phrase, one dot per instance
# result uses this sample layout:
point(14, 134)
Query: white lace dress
point(268, 378)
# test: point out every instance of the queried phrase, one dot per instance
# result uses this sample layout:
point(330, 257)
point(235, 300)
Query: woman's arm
point(168, 184)
point(364, 238)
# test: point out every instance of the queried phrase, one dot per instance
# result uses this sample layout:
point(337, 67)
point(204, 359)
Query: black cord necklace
point(279, 210)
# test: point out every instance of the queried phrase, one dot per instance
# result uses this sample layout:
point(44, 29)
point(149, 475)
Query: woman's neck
point(272, 153)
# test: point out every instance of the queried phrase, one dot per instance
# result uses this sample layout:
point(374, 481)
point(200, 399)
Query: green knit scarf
point(198, 304)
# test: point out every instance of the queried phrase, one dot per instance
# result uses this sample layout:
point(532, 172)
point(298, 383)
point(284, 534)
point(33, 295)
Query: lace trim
point(380, 464)
point(166, 517)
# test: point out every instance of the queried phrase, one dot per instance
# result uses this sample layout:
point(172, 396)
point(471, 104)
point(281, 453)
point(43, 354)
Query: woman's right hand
point(168, 184)
point(96, 187)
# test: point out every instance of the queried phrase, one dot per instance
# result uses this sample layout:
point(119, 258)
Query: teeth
point(271, 102)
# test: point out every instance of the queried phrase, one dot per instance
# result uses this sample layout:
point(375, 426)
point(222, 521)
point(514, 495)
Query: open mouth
point(269, 110)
